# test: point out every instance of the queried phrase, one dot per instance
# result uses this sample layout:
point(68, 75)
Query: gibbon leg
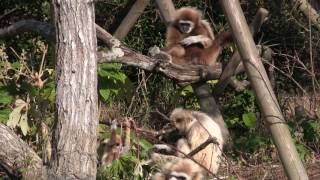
point(183, 147)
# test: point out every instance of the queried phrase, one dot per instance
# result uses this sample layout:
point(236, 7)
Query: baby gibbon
point(112, 147)
point(197, 127)
point(180, 169)
point(190, 40)
point(116, 145)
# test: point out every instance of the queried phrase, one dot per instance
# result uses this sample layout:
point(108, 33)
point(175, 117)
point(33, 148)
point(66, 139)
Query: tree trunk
point(74, 144)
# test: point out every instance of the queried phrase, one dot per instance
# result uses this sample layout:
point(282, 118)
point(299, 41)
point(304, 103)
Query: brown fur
point(206, 52)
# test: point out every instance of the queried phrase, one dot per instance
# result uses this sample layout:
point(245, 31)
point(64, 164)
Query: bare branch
point(203, 145)
point(182, 74)
point(44, 29)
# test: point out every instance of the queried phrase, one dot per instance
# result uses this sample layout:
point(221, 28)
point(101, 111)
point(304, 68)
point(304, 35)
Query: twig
point(8, 12)
point(203, 145)
point(162, 115)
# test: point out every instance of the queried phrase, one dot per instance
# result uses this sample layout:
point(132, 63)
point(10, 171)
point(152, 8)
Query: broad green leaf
point(105, 93)
point(249, 119)
point(19, 116)
point(186, 90)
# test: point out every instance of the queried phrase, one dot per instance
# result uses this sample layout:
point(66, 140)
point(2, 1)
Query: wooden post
point(166, 8)
point(131, 18)
point(235, 60)
point(265, 96)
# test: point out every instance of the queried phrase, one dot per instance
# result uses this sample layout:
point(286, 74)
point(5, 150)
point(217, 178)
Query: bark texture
point(74, 145)
point(17, 157)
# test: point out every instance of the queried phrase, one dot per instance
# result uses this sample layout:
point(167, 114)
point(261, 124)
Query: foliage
point(130, 165)
point(239, 109)
point(113, 82)
point(126, 167)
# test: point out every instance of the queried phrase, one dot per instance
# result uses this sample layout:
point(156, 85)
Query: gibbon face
point(186, 19)
point(185, 26)
point(181, 169)
point(196, 128)
point(181, 119)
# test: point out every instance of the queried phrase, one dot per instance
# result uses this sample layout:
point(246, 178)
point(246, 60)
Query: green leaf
point(19, 116)
point(4, 115)
point(249, 119)
point(5, 97)
point(301, 150)
point(16, 65)
point(186, 91)
point(48, 92)
point(212, 82)
point(105, 93)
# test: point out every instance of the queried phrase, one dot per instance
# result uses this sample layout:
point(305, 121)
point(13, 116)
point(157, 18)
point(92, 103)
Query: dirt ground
point(265, 172)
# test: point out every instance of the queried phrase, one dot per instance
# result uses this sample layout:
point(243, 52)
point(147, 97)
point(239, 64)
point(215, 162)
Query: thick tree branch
point(182, 74)
point(44, 29)
point(17, 157)
point(309, 12)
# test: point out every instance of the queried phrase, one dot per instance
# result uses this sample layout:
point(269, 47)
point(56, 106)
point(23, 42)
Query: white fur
point(194, 39)
point(179, 174)
point(188, 22)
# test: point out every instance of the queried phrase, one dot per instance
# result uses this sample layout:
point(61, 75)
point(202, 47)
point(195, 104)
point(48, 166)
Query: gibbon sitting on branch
point(190, 39)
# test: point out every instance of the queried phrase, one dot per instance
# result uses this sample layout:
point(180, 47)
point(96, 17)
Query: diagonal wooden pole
point(263, 90)
point(131, 18)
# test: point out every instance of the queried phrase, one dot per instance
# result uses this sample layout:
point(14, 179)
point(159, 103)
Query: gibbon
point(197, 127)
point(180, 169)
point(116, 145)
point(112, 147)
point(190, 40)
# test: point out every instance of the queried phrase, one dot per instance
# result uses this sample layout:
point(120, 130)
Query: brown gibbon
point(197, 127)
point(180, 169)
point(112, 146)
point(190, 40)
point(116, 145)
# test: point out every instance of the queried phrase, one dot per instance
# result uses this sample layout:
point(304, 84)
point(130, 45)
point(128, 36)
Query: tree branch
point(309, 12)
point(44, 29)
point(182, 74)
point(202, 146)
point(17, 157)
